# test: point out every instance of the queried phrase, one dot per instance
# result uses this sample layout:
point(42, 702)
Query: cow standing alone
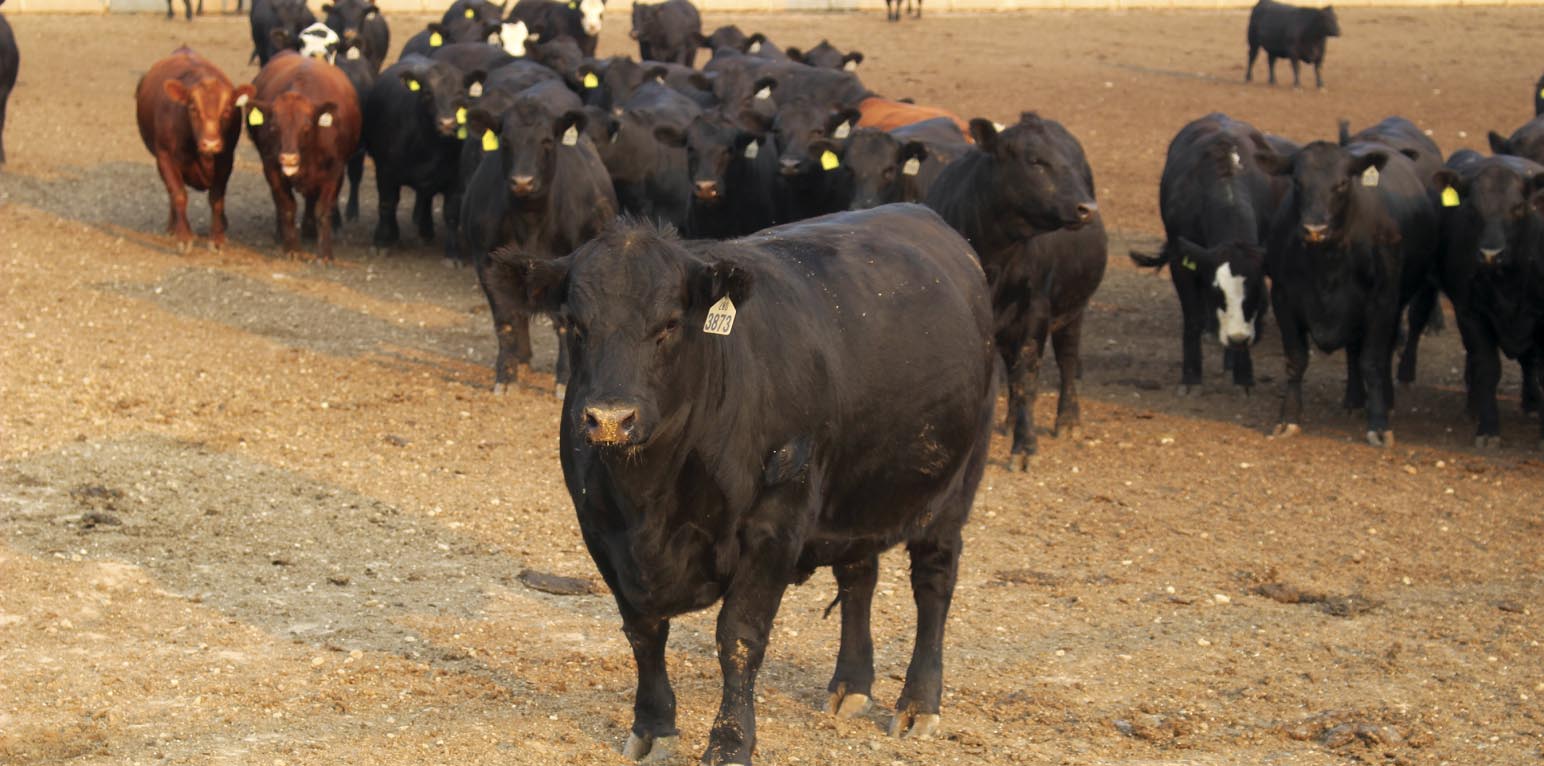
point(10, 64)
point(743, 413)
point(1295, 34)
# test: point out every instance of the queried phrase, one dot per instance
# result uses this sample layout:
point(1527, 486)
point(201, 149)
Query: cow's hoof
point(1248, 389)
point(184, 246)
point(844, 705)
point(451, 263)
point(378, 251)
point(1188, 389)
point(500, 388)
point(1484, 441)
point(294, 255)
point(914, 725)
point(648, 748)
point(1286, 430)
point(1381, 438)
point(1069, 430)
point(560, 391)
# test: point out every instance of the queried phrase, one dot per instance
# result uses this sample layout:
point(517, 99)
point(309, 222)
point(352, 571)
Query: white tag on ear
point(851, 65)
point(720, 317)
point(911, 167)
point(353, 54)
point(1370, 176)
point(755, 47)
point(241, 100)
point(842, 131)
point(751, 150)
point(571, 136)
point(764, 93)
point(475, 91)
point(1238, 162)
point(325, 121)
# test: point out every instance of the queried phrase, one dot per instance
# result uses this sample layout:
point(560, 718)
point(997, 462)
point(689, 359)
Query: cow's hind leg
point(852, 684)
point(1254, 53)
point(423, 214)
point(1270, 66)
point(1065, 341)
point(1422, 307)
point(934, 566)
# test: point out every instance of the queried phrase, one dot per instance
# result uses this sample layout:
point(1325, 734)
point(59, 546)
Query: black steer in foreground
point(1296, 34)
point(1216, 203)
point(1024, 198)
point(1353, 241)
point(745, 412)
point(1492, 269)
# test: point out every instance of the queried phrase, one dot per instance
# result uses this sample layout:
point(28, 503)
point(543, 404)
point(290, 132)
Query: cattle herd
point(781, 298)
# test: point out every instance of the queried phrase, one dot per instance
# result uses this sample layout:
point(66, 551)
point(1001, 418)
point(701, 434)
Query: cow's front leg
point(744, 623)
point(852, 684)
point(654, 733)
point(1377, 368)
point(1294, 346)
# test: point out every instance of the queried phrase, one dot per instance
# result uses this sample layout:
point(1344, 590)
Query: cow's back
point(1213, 190)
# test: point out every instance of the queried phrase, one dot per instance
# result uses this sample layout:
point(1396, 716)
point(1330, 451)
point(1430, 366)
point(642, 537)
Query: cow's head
point(884, 168)
point(1325, 179)
point(441, 90)
point(512, 38)
point(1490, 209)
point(827, 56)
point(347, 17)
point(1327, 21)
point(713, 143)
point(591, 13)
point(799, 124)
point(319, 41)
point(527, 139)
point(729, 37)
point(214, 107)
point(562, 56)
point(283, 127)
point(1042, 178)
point(635, 301)
point(1235, 274)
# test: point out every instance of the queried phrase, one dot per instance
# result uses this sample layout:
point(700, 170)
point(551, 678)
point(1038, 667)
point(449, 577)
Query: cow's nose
point(1490, 254)
point(1314, 232)
point(211, 145)
point(522, 184)
point(788, 166)
point(1086, 211)
point(447, 125)
point(289, 163)
point(707, 190)
point(610, 424)
point(349, 34)
point(1239, 339)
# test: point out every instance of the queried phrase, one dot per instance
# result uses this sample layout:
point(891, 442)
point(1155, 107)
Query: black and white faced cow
point(1024, 198)
point(547, 20)
point(1216, 202)
point(1352, 242)
point(1492, 269)
point(745, 412)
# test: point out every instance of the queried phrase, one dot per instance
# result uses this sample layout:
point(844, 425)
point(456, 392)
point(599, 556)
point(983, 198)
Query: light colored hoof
point(1487, 442)
point(184, 246)
point(500, 389)
point(1286, 430)
point(914, 725)
point(844, 705)
point(1188, 390)
point(1384, 439)
point(1072, 431)
point(560, 391)
point(648, 749)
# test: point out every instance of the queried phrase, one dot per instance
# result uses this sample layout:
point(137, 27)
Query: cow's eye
point(1519, 210)
point(668, 330)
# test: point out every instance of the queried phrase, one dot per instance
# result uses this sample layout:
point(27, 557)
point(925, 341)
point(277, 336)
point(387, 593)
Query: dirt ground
point(262, 512)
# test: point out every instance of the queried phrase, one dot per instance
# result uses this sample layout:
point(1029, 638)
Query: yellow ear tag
point(255, 117)
point(1541, 93)
point(461, 132)
point(1187, 264)
point(436, 40)
point(460, 115)
point(471, 14)
point(573, 6)
point(829, 161)
point(1450, 197)
point(413, 85)
point(490, 141)
point(591, 81)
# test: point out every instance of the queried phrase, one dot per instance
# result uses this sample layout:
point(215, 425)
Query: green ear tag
point(1187, 264)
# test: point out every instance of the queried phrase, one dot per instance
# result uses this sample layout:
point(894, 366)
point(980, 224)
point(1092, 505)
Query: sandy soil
point(261, 512)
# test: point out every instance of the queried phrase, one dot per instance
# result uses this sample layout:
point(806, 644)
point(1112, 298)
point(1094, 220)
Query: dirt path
point(260, 512)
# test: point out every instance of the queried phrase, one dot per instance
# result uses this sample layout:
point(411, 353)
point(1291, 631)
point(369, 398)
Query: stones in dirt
point(557, 585)
point(1336, 606)
point(1340, 729)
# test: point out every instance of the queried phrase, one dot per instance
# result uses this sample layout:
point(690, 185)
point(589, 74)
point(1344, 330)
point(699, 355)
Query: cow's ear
point(670, 135)
point(655, 73)
point(325, 114)
point(241, 95)
point(1535, 186)
point(1445, 179)
point(280, 39)
point(1359, 165)
point(1499, 145)
point(1413, 154)
point(573, 119)
point(851, 61)
point(176, 91)
point(794, 54)
point(820, 146)
point(481, 121)
point(848, 117)
point(984, 133)
point(754, 122)
point(763, 88)
point(411, 79)
point(1270, 160)
point(475, 77)
point(715, 280)
point(1345, 132)
point(701, 81)
point(545, 279)
point(326, 8)
point(371, 10)
point(1186, 249)
point(912, 150)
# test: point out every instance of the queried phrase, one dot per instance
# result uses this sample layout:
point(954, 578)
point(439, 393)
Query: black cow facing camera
point(1295, 34)
point(742, 413)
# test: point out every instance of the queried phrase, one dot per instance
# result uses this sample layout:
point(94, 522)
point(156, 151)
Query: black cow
point(472, 57)
point(463, 29)
point(1527, 141)
point(733, 169)
point(1024, 198)
point(540, 192)
point(811, 178)
point(1352, 242)
point(360, 20)
point(10, 64)
point(276, 24)
point(1216, 203)
point(187, 8)
point(1492, 269)
point(900, 165)
point(827, 56)
point(361, 73)
point(727, 36)
point(610, 81)
point(578, 20)
point(651, 178)
point(1538, 97)
point(1295, 34)
point(845, 408)
point(562, 56)
point(411, 136)
point(670, 31)
point(893, 9)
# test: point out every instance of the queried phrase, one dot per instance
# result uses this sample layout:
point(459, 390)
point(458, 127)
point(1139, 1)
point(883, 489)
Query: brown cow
point(190, 119)
point(884, 114)
point(304, 120)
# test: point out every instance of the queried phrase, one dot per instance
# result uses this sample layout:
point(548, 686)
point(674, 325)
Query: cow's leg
point(505, 302)
point(1318, 72)
point(1270, 66)
point(744, 624)
point(388, 192)
point(177, 220)
point(1419, 314)
point(452, 217)
point(560, 369)
point(852, 685)
point(1356, 383)
point(308, 219)
point(1482, 365)
point(423, 214)
point(327, 211)
point(1022, 397)
point(1243, 368)
point(1528, 365)
point(1254, 53)
point(919, 8)
point(217, 187)
point(1294, 347)
point(1296, 79)
point(654, 732)
point(356, 171)
point(934, 567)
point(1065, 341)
point(1377, 368)
point(1193, 310)
point(284, 206)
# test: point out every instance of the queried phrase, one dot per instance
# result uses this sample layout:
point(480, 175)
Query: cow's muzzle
point(610, 424)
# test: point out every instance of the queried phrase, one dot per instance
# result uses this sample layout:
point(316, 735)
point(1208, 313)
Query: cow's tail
point(1150, 261)
point(1345, 132)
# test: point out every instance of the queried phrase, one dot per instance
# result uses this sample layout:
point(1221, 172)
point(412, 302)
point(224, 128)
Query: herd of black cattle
point(775, 360)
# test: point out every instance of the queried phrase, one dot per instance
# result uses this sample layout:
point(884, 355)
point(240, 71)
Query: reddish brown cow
point(884, 114)
point(190, 119)
point(304, 120)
